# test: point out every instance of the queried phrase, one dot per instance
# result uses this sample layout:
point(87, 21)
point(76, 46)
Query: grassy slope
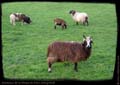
point(25, 47)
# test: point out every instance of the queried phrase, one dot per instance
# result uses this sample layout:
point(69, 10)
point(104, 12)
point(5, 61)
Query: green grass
point(24, 47)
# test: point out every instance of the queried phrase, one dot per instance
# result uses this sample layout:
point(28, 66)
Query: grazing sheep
point(79, 17)
point(14, 17)
point(60, 22)
point(69, 51)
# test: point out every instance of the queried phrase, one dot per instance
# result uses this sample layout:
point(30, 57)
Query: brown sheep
point(69, 51)
point(60, 22)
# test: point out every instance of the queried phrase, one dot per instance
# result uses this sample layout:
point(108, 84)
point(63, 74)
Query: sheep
point(71, 51)
point(60, 22)
point(20, 18)
point(79, 17)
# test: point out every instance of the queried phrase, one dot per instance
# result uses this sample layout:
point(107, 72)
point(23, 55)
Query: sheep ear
point(84, 36)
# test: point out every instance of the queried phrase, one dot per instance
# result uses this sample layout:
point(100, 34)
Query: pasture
point(24, 47)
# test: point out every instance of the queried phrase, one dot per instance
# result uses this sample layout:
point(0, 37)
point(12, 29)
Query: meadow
point(24, 47)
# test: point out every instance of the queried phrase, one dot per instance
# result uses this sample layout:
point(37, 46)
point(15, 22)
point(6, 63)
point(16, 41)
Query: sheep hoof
point(49, 70)
point(76, 70)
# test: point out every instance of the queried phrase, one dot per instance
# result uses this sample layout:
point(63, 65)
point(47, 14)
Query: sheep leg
point(22, 22)
point(84, 23)
point(76, 23)
point(50, 61)
point(49, 67)
point(62, 27)
point(55, 27)
point(75, 67)
point(13, 22)
point(65, 26)
point(87, 22)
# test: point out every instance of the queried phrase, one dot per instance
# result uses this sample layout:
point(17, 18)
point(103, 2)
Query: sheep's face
point(27, 20)
point(87, 42)
point(72, 12)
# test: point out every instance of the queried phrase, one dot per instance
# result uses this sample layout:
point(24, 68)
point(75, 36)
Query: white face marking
point(49, 69)
point(88, 40)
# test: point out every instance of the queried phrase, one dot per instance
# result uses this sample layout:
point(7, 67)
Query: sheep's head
point(87, 41)
point(27, 20)
point(72, 12)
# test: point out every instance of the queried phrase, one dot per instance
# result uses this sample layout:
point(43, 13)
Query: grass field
point(24, 47)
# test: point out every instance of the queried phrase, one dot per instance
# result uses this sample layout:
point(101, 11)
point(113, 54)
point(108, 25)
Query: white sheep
point(79, 17)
